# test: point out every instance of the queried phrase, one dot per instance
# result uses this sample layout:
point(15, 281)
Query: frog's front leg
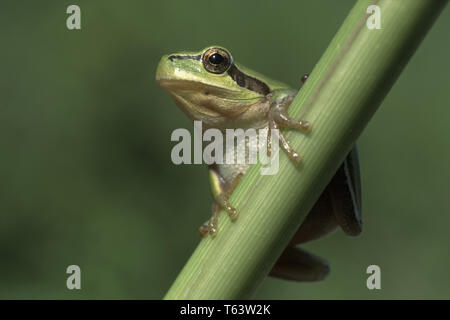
point(222, 191)
point(279, 119)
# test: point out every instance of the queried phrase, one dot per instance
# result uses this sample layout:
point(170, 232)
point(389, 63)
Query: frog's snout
point(163, 67)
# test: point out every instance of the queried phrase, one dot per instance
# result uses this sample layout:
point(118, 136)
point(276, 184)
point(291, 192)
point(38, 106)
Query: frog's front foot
point(279, 119)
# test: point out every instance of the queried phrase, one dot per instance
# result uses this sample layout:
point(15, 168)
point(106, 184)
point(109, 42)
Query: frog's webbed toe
point(299, 265)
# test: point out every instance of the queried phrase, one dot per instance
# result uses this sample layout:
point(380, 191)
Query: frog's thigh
point(320, 220)
point(299, 265)
point(346, 195)
point(218, 184)
point(338, 205)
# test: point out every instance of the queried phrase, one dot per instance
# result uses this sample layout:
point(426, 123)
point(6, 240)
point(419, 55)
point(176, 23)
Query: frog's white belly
point(228, 171)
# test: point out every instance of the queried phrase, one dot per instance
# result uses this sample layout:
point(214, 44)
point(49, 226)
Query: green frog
point(209, 86)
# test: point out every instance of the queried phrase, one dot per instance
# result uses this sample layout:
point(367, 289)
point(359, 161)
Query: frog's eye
point(216, 60)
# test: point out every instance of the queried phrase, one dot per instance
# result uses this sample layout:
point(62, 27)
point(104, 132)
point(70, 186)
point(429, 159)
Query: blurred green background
point(85, 170)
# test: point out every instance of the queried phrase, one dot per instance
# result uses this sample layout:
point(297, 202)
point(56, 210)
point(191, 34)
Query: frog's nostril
point(171, 58)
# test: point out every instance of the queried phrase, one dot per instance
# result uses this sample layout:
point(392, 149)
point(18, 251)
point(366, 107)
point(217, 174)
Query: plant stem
point(341, 95)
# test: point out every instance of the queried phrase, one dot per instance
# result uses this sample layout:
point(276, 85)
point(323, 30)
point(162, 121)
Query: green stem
point(341, 95)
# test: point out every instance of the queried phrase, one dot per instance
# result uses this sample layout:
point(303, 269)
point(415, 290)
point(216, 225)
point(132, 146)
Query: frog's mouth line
point(175, 83)
point(189, 85)
point(198, 107)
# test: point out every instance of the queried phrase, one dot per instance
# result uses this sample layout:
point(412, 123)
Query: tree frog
point(211, 87)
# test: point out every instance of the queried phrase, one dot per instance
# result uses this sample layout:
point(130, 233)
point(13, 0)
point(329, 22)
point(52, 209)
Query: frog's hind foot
point(220, 203)
point(210, 226)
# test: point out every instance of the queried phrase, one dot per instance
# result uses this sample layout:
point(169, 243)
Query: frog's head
point(208, 85)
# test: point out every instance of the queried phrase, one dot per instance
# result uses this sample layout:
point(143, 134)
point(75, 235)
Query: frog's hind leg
point(222, 191)
point(346, 195)
point(338, 205)
point(299, 265)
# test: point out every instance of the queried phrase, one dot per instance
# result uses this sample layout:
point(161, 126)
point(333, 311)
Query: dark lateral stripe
point(248, 82)
point(198, 57)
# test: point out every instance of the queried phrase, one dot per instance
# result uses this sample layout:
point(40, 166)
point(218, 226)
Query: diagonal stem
point(344, 90)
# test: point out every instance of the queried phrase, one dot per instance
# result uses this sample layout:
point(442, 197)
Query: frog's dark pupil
point(216, 58)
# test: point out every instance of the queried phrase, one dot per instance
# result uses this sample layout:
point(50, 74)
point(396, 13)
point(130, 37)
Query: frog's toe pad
point(208, 228)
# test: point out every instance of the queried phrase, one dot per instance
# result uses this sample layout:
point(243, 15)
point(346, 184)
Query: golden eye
point(216, 60)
